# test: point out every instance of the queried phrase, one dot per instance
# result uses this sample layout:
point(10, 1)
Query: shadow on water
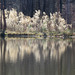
point(37, 57)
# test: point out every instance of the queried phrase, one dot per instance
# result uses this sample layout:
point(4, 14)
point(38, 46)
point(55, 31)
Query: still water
point(37, 57)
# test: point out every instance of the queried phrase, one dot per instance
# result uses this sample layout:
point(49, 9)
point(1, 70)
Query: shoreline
point(36, 35)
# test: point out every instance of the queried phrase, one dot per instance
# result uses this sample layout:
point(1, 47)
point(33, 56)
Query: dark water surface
point(37, 57)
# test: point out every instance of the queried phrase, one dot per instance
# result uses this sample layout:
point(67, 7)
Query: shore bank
point(37, 35)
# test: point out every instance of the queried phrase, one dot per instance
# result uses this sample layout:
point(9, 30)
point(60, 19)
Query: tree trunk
point(68, 13)
point(60, 6)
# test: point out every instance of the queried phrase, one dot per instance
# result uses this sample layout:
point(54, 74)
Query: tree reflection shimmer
point(37, 57)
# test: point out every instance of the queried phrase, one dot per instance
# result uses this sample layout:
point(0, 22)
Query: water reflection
point(37, 57)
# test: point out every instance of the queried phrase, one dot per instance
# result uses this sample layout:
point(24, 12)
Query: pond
point(33, 56)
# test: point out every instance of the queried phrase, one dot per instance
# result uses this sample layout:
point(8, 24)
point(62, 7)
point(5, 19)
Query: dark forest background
point(28, 7)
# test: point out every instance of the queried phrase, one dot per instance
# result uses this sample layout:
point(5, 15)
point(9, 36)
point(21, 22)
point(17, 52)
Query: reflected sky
point(37, 57)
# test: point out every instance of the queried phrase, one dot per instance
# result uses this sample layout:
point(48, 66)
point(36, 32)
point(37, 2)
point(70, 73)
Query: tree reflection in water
point(2, 56)
point(37, 57)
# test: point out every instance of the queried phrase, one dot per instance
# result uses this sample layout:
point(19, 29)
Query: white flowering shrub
point(21, 23)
